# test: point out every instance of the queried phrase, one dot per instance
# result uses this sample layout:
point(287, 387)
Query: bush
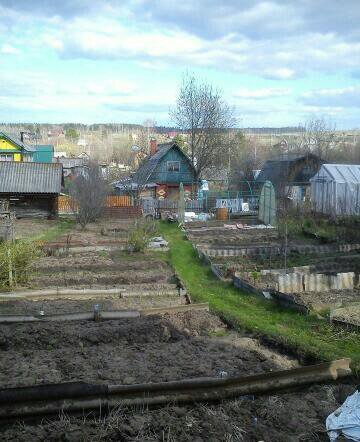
point(16, 259)
point(140, 236)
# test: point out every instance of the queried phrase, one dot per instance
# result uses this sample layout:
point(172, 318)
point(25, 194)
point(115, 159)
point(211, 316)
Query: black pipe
point(51, 391)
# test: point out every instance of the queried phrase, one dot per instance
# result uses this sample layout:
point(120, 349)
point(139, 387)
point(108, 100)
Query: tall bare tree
point(88, 192)
point(319, 137)
point(202, 113)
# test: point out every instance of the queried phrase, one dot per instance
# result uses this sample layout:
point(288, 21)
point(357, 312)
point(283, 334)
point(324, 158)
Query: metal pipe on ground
point(72, 397)
point(61, 292)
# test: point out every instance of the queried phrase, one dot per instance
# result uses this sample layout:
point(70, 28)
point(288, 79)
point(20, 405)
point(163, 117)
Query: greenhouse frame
point(335, 190)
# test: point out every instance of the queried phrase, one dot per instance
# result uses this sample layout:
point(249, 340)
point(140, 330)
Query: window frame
point(7, 157)
point(173, 169)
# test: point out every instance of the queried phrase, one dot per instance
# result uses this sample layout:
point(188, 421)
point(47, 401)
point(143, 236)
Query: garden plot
point(154, 349)
point(327, 262)
point(348, 316)
point(217, 237)
point(229, 241)
point(105, 270)
point(114, 279)
point(105, 232)
point(306, 286)
point(143, 280)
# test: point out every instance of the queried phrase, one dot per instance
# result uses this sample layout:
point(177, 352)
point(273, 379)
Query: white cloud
point(7, 49)
point(261, 93)
point(347, 97)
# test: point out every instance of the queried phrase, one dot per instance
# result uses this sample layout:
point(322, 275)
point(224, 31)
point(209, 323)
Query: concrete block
point(290, 283)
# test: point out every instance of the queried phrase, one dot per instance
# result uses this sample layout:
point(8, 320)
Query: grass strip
point(53, 232)
point(308, 337)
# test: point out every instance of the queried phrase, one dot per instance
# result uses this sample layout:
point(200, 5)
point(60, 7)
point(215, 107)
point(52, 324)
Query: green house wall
point(185, 174)
point(43, 154)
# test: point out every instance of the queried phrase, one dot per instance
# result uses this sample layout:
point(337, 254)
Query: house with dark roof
point(160, 174)
point(31, 188)
point(290, 174)
point(13, 148)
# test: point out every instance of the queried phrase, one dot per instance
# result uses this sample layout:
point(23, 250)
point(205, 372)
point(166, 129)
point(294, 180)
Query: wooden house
point(160, 174)
point(15, 149)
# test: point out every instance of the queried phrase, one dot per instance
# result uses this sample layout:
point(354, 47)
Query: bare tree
point(319, 137)
point(202, 113)
point(88, 192)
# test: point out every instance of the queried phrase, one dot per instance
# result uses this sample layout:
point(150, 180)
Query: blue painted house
point(163, 170)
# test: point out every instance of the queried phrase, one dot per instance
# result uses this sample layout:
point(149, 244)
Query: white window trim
point(167, 166)
point(7, 157)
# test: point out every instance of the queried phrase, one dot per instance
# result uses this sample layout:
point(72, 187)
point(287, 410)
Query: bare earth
point(154, 349)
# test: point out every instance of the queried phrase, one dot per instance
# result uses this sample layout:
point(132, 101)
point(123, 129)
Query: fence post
point(10, 268)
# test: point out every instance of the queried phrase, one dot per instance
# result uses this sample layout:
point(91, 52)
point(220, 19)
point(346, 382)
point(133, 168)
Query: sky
point(278, 63)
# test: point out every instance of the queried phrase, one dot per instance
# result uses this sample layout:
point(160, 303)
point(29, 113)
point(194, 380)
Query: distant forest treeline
point(125, 127)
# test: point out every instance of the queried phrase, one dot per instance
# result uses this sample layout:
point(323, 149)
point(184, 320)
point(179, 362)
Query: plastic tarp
point(345, 420)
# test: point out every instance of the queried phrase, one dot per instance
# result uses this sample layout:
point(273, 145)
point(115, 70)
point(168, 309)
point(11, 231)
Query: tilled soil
point(154, 349)
point(290, 417)
point(147, 349)
point(106, 278)
point(92, 261)
point(50, 307)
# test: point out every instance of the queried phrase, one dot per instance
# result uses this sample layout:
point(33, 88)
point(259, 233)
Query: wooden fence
point(65, 204)
point(151, 205)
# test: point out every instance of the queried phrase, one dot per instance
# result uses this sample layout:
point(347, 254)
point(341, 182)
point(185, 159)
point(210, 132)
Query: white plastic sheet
point(345, 420)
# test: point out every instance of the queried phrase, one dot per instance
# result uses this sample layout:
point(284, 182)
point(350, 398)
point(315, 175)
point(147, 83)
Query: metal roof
point(43, 147)
point(17, 141)
point(69, 163)
point(340, 173)
point(23, 177)
point(277, 169)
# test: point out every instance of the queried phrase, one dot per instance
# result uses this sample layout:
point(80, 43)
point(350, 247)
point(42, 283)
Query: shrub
point(16, 259)
point(140, 236)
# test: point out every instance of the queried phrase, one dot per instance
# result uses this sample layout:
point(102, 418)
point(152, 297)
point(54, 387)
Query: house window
point(173, 166)
point(6, 157)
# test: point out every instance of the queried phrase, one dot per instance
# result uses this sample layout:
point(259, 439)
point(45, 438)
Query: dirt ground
point(146, 349)
point(327, 298)
point(289, 417)
point(154, 349)
point(105, 231)
point(350, 314)
point(50, 307)
point(127, 351)
point(105, 270)
point(26, 228)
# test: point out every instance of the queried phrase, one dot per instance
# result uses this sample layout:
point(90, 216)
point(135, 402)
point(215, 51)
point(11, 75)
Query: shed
point(31, 188)
point(335, 189)
point(290, 174)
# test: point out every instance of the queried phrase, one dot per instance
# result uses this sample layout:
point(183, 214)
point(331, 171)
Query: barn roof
point(340, 173)
point(23, 177)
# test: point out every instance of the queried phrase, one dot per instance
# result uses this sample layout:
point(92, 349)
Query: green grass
point(308, 337)
point(53, 232)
